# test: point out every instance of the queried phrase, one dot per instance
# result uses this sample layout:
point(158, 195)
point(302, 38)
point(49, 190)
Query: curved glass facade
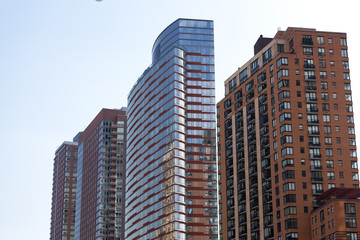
point(171, 165)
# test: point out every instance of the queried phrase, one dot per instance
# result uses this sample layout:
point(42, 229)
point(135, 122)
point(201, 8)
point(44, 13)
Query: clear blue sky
point(62, 61)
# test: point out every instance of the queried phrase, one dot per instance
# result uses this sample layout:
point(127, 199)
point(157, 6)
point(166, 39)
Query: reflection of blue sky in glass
point(62, 61)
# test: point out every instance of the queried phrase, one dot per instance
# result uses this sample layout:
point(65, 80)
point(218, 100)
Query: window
point(323, 74)
point(322, 63)
point(282, 73)
point(291, 236)
point(312, 118)
point(288, 174)
point(314, 141)
point(321, 51)
point(351, 130)
point(285, 128)
point(286, 139)
point(314, 153)
point(325, 107)
point(284, 94)
point(312, 129)
point(254, 66)
point(329, 163)
point(283, 83)
point(354, 164)
point(351, 236)
point(355, 176)
point(282, 61)
point(346, 76)
point(348, 97)
point(288, 162)
point(343, 42)
point(347, 86)
point(320, 40)
point(330, 175)
point(243, 76)
point(232, 84)
point(327, 129)
point(280, 48)
point(329, 152)
point(311, 107)
point(290, 186)
point(325, 96)
point(284, 105)
point(326, 118)
point(290, 210)
point(309, 63)
point(317, 188)
point(328, 140)
point(353, 153)
point(249, 86)
point(287, 151)
point(344, 53)
point(309, 75)
point(291, 223)
point(322, 229)
point(266, 56)
point(285, 116)
point(350, 222)
point(308, 51)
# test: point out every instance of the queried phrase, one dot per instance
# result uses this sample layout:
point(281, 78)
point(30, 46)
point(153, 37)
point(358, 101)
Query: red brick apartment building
point(64, 192)
point(285, 135)
point(101, 177)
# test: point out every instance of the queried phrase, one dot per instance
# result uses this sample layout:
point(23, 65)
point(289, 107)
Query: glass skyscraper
point(171, 159)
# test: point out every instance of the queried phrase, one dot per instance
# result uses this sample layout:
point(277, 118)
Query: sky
point(62, 61)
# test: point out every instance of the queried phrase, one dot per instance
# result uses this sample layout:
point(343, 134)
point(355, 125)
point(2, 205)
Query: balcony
point(311, 143)
point(312, 110)
point(314, 167)
point(316, 133)
point(317, 179)
point(317, 192)
point(307, 42)
point(315, 155)
point(311, 99)
point(309, 66)
point(313, 121)
point(310, 77)
point(310, 88)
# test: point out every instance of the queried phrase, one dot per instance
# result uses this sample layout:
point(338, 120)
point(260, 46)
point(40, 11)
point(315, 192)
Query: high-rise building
point(101, 177)
point(171, 161)
point(64, 192)
point(285, 135)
